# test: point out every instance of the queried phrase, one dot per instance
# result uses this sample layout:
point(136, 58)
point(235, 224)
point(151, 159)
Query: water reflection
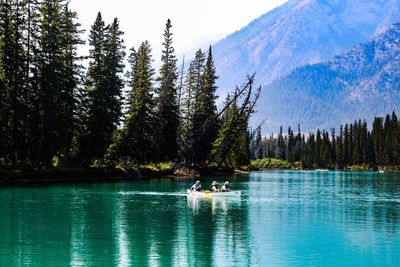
point(282, 219)
point(77, 230)
point(121, 233)
point(219, 231)
point(339, 217)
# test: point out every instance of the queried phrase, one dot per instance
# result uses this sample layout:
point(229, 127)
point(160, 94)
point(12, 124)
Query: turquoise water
point(283, 218)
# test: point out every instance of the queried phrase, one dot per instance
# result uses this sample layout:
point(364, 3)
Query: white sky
point(193, 22)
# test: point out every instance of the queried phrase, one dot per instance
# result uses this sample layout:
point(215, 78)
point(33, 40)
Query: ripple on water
point(282, 219)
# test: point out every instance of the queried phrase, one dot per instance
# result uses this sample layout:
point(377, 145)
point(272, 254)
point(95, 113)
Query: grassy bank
point(277, 164)
point(93, 174)
point(391, 168)
point(156, 169)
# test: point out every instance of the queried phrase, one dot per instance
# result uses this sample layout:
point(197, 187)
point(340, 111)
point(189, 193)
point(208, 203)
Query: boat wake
point(150, 193)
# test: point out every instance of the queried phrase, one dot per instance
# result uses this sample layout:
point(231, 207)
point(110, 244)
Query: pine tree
point(333, 152)
point(57, 80)
point(270, 145)
point(298, 147)
point(396, 138)
point(365, 147)
point(370, 152)
point(70, 79)
point(188, 105)
point(204, 129)
point(351, 144)
point(13, 69)
point(167, 113)
point(190, 89)
point(209, 78)
point(318, 149)
point(5, 75)
point(114, 68)
point(326, 150)
point(346, 145)
point(312, 152)
point(280, 148)
point(103, 88)
point(50, 67)
point(180, 92)
point(290, 146)
point(355, 144)
point(339, 142)
point(258, 145)
point(136, 140)
point(377, 136)
point(305, 153)
point(32, 112)
point(3, 120)
point(387, 141)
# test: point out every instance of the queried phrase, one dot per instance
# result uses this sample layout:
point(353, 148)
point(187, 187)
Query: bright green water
point(282, 219)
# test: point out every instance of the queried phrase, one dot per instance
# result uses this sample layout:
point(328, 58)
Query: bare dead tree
point(210, 122)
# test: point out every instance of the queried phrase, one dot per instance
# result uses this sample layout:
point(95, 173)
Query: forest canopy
point(353, 145)
point(54, 111)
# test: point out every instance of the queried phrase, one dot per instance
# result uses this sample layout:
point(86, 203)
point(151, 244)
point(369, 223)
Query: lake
point(283, 218)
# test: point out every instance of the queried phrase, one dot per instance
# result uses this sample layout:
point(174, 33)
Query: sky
point(194, 22)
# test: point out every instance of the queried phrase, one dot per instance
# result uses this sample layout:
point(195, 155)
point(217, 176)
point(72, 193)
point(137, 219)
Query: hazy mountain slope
point(298, 33)
point(362, 83)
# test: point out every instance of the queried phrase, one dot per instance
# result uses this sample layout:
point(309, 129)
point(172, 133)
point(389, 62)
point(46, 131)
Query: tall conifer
point(103, 88)
point(167, 113)
point(136, 139)
point(204, 127)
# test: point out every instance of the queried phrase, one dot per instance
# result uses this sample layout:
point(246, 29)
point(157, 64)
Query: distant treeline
point(55, 112)
point(354, 144)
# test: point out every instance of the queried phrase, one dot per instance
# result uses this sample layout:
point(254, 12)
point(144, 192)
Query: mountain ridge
point(362, 82)
point(297, 33)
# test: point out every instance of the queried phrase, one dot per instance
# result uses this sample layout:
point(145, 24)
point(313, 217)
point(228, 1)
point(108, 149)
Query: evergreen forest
point(117, 111)
point(354, 145)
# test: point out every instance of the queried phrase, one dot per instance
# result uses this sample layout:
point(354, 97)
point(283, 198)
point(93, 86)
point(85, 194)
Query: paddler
point(213, 187)
point(225, 187)
point(196, 186)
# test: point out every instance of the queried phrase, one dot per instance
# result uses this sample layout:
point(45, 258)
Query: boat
point(207, 193)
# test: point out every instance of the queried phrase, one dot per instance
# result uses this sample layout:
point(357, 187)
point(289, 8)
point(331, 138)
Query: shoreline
point(277, 164)
point(93, 175)
point(62, 175)
point(382, 169)
point(327, 170)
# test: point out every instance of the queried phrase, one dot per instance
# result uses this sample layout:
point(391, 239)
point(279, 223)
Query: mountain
point(297, 33)
point(363, 82)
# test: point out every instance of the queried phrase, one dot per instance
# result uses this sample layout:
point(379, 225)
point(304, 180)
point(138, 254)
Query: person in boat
point(213, 187)
point(196, 187)
point(226, 187)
